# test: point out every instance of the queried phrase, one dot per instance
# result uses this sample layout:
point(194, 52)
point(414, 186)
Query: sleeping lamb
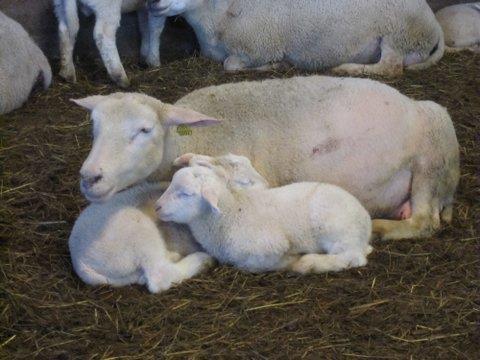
point(351, 36)
point(22, 65)
point(398, 156)
point(303, 227)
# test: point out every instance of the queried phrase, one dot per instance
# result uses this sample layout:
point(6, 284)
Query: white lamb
point(291, 227)
point(107, 20)
point(119, 242)
point(355, 36)
point(398, 156)
point(22, 65)
point(461, 26)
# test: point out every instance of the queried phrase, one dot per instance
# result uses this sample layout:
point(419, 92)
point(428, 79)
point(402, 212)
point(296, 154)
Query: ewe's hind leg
point(89, 275)
point(390, 64)
point(151, 28)
point(425, 218)
point(68, 25)
point(235, 63)
point(104, 32)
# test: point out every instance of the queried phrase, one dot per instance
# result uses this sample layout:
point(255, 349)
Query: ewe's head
point(239, 169)
point(128, 140)
point(193, 191)
point(172, 7)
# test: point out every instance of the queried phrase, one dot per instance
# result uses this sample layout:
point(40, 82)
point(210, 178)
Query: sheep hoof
point(233, 64)
point(68, 75)
point(153, 62)
point(122, 82)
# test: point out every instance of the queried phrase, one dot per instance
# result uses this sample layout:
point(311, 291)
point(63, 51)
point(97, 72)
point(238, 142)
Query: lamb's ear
point(183, 160)
point(211, 197)
point(90, 102)
point(175, 115)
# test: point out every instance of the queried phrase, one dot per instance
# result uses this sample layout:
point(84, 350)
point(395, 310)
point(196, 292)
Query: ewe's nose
point(90, 179)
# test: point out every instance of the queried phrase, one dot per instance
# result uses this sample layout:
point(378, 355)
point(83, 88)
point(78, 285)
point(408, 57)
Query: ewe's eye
point(184, 194)
point(142, 131)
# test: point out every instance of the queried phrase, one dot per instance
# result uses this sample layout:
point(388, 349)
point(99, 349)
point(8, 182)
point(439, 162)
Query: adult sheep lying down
point(461, 26)
point(398, 156)
point(352, 36)
point(22, 65)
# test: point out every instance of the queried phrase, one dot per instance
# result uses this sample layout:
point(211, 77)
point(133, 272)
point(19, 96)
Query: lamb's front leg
point(105, 37)
point(321, 263)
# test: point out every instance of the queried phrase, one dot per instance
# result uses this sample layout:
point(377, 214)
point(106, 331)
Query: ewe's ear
point(89, 102)
point(183, 160)
point(176, 115)
point(210, 195)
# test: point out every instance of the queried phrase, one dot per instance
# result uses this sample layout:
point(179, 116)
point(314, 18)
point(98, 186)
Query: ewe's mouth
point(99, 197)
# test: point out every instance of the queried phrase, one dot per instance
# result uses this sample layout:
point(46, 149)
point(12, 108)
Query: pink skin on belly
point(404, 211)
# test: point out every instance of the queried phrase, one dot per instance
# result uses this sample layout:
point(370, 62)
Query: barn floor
point(415, 299)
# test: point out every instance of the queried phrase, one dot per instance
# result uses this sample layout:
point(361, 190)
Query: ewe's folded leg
point(390, 64)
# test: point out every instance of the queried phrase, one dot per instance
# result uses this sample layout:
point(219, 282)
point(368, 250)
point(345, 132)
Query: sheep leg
point(68, 26)
point(142, 15)
point(156, 25)
point(104, 32)
point(321, 263)
point(192, 265)
point(390, 64)
point(236, 63)
point(89, 275)
point(425, 214)
point(159, 275)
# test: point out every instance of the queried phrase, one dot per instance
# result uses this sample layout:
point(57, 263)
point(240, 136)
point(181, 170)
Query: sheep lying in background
point(269, 229)
point(398, 156)
point(461, 26)
point(108, 14)
point(119, 242)
point(22, 65)
point(375, 36)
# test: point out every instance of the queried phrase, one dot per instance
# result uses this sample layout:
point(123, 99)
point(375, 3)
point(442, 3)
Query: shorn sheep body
point(398, 156)
point(303, 227)
point(121, 242)
point(461, 26)
point(22, 65)
point(107, 20)
point(375, 36)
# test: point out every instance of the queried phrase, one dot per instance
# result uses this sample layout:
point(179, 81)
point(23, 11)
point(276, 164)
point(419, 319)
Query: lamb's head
point(239, 169)
point(193, 191)
point(128, 140)
point(172, 7)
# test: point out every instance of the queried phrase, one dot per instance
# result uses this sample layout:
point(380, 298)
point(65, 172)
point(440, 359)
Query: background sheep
point(400, 153)
point(385, 35)
point(107, 20)
point(22, 65)
point(269, 229)
point(461, 26)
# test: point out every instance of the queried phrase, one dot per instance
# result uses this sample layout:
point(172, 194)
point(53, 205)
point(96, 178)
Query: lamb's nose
point(88, 181)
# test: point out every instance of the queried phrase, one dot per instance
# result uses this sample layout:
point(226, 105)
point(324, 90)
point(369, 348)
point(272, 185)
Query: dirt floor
point(415, 299)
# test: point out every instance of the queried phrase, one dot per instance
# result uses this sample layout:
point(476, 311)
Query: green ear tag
point(184, 130)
